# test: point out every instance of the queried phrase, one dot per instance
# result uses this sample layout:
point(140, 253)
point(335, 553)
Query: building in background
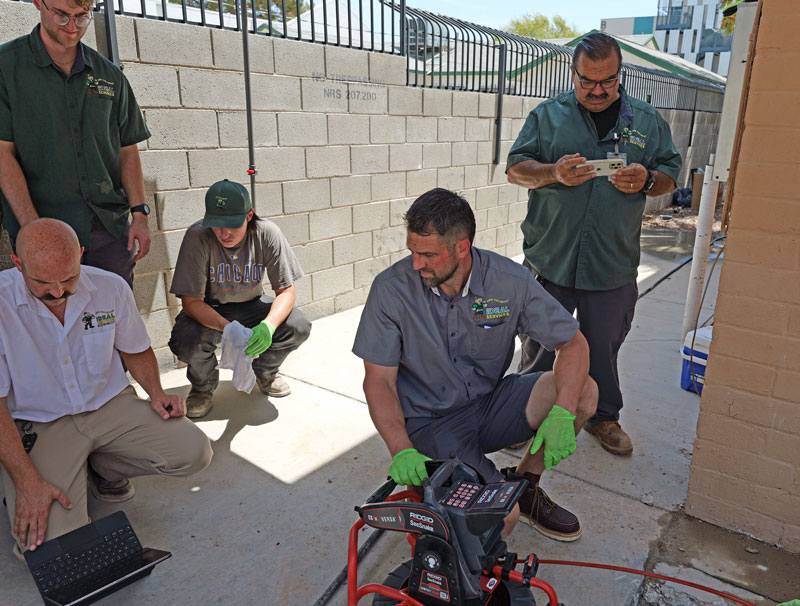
point(685, 28)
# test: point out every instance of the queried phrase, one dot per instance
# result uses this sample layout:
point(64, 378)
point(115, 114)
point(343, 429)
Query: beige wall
point(342, 149)
point(746, 467)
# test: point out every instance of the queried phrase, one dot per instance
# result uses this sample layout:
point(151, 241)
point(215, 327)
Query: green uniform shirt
point(587, 236)
point(68, 131)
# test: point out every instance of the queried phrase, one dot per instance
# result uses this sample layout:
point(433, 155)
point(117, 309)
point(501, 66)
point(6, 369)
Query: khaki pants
point(123, 439)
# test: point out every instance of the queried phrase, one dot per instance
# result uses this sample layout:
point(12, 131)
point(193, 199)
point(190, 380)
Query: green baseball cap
point(227, 205)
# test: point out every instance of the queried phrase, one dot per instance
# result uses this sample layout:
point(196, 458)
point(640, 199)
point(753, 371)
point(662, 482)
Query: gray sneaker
point(275, 387)
point(198, 403)
point(110, 491)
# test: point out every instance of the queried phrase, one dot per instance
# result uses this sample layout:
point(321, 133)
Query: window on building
point(715, 63)
point(694, 41)
point(680, 42)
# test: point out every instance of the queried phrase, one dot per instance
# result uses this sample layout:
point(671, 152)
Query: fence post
point(111, 32)
point(403, 41)
point(242, 5)
point(501, 85)
point(694, 113)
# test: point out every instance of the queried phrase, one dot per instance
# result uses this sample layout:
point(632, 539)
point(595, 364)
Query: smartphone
point(605, 167)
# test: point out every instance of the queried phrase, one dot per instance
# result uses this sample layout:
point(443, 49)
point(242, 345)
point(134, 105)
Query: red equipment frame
point(355, 593)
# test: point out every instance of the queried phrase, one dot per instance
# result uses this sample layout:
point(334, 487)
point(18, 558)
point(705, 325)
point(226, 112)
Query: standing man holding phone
point(582, 231)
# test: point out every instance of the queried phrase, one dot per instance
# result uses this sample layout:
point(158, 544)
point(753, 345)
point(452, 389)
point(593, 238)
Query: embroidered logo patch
point(105, 317)
point(478, 314)
point(88, 320)
point(221, 202)
point(99, 86)
point(490, 309)
point(631, 135)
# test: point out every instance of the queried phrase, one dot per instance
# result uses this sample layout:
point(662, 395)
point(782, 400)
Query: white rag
point(234, 342)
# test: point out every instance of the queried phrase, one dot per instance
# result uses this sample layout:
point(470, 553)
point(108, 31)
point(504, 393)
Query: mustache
point(603, 96)
point(49, 297)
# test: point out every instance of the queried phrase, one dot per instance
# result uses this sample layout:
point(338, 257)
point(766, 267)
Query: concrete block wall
point(342, 149)
point(745, 471)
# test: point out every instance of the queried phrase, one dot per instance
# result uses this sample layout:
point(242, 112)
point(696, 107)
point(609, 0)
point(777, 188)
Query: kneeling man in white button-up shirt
point(64, 395)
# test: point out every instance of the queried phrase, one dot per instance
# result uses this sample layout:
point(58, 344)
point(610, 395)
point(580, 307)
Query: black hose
point(342, 576)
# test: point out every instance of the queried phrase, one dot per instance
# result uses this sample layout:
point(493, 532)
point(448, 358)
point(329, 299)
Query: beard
point(435, 281)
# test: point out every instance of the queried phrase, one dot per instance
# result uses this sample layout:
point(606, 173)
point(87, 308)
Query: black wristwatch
point(650, 182)
point(142, 208)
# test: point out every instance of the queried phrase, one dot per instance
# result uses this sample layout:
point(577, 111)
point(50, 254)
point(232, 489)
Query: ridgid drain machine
point(458, 557)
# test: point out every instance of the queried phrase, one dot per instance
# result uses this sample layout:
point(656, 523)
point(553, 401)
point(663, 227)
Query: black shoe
point(541, 512)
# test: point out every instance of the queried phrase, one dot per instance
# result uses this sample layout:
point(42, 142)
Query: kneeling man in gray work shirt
point(437, 336)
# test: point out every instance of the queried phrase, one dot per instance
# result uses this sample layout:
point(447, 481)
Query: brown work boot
point(198, 402)
point(541, 512)
point(275, 386)
point(612, 437)
point(110, 491)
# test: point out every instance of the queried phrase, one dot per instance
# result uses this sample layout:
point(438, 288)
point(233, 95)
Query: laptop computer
point(89, 563)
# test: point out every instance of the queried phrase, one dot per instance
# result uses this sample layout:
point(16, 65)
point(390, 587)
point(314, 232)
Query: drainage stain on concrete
point(695, 551)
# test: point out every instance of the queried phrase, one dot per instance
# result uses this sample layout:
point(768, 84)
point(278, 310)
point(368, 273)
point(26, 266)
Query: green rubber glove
point(261, 339)
point(557, 433)
point(792, 603)
point(408, 467)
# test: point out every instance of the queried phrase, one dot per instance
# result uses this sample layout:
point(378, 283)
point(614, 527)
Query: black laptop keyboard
point(90, 568)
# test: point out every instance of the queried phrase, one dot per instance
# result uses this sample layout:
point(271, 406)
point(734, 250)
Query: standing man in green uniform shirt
point(69, 129)
point(581, 231)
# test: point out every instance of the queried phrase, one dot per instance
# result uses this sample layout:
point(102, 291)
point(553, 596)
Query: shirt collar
point(474, 280)
point(42, 59)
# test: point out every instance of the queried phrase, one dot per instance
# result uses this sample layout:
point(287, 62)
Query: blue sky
point(581, 14)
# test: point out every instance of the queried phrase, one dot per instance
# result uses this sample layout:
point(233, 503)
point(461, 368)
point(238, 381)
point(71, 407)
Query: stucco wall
point(342, 149)
point(746, 466)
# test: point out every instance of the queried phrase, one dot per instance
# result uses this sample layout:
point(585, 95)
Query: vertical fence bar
point(313, 25)
point(248, 100)
point(111, 32)
point(401, 27)
point(297, 18)
point(283, 18)
point(350, 25)
point(325, 21)
point(498, 121)
point(338, 27)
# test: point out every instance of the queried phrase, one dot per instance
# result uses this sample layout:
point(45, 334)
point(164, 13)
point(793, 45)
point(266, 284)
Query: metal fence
point(441, 52)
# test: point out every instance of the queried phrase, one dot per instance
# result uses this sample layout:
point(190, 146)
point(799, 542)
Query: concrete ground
point(267, 522)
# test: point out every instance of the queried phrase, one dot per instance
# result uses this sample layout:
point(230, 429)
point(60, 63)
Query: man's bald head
point(48, 242)
point(49, 258)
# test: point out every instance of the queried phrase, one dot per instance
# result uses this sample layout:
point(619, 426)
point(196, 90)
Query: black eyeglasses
point(587, 84)
point(61, 19)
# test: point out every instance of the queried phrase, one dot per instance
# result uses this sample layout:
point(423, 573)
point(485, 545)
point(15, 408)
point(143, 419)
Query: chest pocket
point(98, 347)
point(490, 341)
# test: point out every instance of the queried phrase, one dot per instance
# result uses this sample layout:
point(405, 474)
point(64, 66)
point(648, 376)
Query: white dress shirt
point(48, 370)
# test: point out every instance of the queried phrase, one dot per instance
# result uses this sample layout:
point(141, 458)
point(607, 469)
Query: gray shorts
point(486, 425)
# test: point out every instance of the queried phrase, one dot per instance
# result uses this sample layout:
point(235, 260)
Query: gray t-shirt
point(452, 352)
point(207, 269)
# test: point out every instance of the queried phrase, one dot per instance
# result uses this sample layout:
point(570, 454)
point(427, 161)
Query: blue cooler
point(693, 372)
